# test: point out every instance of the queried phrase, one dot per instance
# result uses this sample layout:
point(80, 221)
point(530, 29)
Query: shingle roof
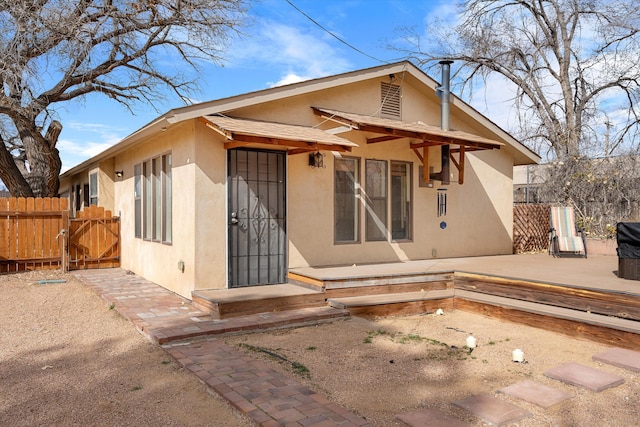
point(235, 129)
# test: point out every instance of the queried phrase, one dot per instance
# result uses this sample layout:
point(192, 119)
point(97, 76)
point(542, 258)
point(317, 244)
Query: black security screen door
point(256, 218)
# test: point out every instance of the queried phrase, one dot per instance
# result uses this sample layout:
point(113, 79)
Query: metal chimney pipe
point(444, 94)
point(444, 119)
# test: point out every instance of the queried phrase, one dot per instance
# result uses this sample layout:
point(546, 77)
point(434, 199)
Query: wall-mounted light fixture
point(119, 174)
point(316, 160)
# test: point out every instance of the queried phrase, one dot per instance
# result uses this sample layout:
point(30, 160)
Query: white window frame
point(153, 179)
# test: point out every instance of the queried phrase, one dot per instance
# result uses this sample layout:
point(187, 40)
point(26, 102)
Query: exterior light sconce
point(119, 174)
point(316, 160)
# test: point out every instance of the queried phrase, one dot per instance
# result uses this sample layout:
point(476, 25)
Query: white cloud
point(82, 141)
point(295, 53)
point(290, 78)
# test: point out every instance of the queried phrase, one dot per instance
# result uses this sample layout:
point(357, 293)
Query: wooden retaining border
point(612, 318)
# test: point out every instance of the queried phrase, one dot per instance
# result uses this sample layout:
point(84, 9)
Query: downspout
point(443, 92)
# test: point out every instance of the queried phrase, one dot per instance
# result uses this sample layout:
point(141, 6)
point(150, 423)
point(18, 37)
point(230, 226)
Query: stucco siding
point(157, 261)
point(478, 220)
point(210, 213)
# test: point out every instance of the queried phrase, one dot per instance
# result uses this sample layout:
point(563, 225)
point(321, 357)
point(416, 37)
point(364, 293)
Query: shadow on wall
point(479, 214)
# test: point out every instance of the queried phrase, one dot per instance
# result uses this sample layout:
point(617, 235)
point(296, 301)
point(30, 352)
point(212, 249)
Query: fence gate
point(94, 239)
point(30, 231)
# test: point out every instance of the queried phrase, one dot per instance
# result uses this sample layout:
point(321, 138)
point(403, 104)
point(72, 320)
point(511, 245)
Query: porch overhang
point(292, 138)
point(425, 135)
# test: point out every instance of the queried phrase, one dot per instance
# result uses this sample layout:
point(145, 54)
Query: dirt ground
point(382, 367)
point(67, 359)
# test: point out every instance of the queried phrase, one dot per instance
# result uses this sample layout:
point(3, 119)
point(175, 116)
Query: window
point(388, 192)
point(400, 201)
point(93, 188)
point(157, 198)
point(166, 198)
point(153, 199)
point(137, 197)
point(147, 198)
point(376, 191)
point(78, 198)
point(347, 171)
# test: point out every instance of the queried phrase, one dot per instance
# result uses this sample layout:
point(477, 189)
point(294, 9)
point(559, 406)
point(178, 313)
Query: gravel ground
point(382, 367)
point(66, 359)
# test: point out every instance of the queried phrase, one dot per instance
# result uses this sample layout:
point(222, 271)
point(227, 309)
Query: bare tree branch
point(565, 59)
point(107, 47)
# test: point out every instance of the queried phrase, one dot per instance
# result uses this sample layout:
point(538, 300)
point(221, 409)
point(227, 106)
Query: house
point(348, 169)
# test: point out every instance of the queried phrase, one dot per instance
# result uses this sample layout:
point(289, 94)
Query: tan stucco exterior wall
point(479, 213)
point(210, 228)
point(156, 261)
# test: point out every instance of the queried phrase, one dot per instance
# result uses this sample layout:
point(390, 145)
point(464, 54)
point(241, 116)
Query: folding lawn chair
point(564, 239)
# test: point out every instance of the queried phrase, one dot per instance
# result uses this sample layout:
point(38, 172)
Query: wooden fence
point(35, 235)
point(530, 228)
point(94, 239)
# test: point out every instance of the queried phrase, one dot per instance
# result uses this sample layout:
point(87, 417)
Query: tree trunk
point(11, 176)
point(44, 159)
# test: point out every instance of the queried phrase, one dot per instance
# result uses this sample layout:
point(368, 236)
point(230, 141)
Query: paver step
point(492, 410)
point(536, 393)
point(622, 358)
point(431, 418)
point(584, 376)
point(165, 332)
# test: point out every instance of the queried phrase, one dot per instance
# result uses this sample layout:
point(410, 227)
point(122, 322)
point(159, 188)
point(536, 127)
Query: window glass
point(167, 198)
point(157, 199)
point(147, 207)
point(137, 197)
point(153, 197)
point(93, 188)
point(346, 199)
point(400, 201)
point(376, 200)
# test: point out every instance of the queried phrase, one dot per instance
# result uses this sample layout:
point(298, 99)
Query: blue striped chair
point(564, 237)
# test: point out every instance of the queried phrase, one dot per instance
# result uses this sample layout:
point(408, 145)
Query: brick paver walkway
point(266, 396)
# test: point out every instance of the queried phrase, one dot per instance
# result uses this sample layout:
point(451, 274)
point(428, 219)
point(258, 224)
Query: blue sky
point(279, 45)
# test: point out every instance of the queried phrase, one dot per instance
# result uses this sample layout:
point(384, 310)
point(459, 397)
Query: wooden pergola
point(427, 135)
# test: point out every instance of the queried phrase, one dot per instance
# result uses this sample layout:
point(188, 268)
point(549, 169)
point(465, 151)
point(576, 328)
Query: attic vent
point(390, 99)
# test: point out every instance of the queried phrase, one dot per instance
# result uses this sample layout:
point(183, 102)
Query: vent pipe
point(444, 92)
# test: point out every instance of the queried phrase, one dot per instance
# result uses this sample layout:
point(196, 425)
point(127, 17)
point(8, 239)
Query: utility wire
point(335, 36)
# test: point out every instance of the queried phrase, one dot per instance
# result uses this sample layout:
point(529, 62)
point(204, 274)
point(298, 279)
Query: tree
point(603, 191)
point(57, 51)
point(565, 59)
